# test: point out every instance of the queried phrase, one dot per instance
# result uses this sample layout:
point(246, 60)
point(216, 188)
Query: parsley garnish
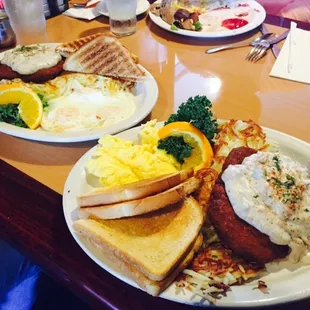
point(44, 102)
point(276, 162)
point(177, 147)
point(197, 111)
point(290, 181)
point(9, 113)
point(287, 184)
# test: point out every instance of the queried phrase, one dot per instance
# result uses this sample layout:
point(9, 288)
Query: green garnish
point(197, 26)
point(9, 113)
point(256, 196)
point(197, 111)
point(177, 147)
point(276, 162)
point(26, 48)
point(44, 102)
point(174, 27)
point(31, 50)
point(290, 182)
point(287, 184)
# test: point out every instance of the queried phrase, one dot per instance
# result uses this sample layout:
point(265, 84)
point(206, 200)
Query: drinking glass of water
point(122, 14)
point(27, 20)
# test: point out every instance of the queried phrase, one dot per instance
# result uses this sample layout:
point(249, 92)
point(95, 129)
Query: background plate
point(286, 282)
point(257, 20)
point(146, 94)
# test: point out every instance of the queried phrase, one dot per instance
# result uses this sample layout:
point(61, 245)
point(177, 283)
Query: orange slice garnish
point(29, 104)
point(202, 153)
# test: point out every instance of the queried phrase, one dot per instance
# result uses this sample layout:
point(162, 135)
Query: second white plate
point(257, 19)
point(146, 94)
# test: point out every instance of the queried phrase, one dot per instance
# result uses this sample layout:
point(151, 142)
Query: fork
point(258, 51)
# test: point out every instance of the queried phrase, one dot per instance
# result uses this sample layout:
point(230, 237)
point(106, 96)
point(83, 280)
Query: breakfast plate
point(286, 282)
point(145, 94)
point(214, 18)
point(142, 7)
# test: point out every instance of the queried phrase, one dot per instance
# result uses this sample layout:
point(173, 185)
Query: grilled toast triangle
point(105, 55)
point(68, 48)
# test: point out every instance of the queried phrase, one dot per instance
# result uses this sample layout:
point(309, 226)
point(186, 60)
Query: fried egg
point(87, 109)
point(83, 101)
point(86, 102)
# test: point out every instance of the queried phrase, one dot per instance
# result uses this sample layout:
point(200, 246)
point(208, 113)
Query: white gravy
point(271, 192)
point(29, 59)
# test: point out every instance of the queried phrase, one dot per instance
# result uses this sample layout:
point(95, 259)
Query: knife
point(275, 49)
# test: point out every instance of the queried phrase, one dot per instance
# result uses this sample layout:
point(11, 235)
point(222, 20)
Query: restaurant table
point(31, 216)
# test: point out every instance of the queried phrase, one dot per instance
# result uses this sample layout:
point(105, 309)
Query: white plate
point(146, 94)
point(284, 285)
point(142, 7)
point(257, 20)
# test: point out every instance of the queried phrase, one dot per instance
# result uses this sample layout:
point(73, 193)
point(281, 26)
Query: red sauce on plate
point(234, 23)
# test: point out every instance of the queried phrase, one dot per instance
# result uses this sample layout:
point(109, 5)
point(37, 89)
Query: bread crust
point(105, 55)
point(152, 287)
point(68, 48)
point(133, 191)
point(141, 206)
point(154, 243)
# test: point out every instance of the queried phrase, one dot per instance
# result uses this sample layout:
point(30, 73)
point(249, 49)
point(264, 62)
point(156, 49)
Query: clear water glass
point(27, 20)
point(122, 14)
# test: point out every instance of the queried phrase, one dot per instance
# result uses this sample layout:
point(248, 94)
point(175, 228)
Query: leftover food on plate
point(221, 181)
point(195, 15)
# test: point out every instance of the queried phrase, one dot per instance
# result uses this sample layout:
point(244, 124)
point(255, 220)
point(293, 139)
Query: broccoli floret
point(177, 147)
point(197, 111)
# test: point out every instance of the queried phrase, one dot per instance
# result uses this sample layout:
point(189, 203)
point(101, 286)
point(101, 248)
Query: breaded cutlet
point(39, 76)
point(244, 239)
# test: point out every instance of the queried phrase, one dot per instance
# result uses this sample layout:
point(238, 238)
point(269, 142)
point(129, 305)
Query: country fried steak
point(40, 76)
point(244, 239)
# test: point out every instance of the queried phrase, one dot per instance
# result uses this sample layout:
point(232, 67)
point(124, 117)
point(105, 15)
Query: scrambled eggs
point(118, 162)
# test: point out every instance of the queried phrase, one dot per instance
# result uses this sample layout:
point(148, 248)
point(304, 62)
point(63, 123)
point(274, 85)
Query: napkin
point(88, 13)
point(293, 62)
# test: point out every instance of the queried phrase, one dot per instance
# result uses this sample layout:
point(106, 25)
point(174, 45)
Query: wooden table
point(31, 214)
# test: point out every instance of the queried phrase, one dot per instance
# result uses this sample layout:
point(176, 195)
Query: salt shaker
point(7, 36)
